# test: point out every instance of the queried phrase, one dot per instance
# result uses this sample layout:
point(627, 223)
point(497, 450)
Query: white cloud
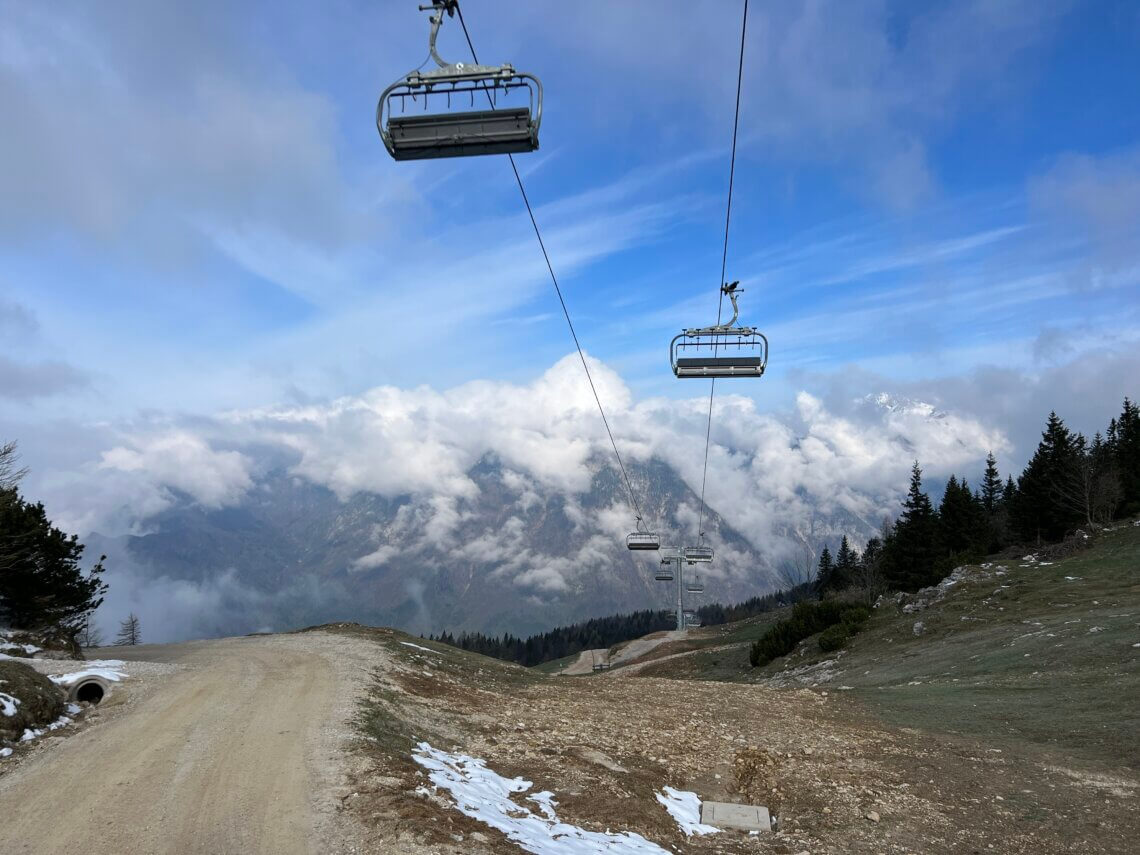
point(185, 462)
point(769, 476)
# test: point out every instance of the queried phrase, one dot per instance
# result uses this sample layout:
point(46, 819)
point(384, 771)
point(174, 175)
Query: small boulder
point(873, 815)
point(919, 627)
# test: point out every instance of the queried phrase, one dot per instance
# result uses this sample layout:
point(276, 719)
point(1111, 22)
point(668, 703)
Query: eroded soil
point(817, 759)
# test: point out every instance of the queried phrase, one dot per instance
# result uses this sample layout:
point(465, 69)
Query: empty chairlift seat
point(643, 539)
point(422, 115)
point(461, 134)
point(725, 350)
point(698, 554)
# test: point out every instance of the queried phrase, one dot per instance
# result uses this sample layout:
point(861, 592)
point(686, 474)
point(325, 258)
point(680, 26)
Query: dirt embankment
point(242, 749)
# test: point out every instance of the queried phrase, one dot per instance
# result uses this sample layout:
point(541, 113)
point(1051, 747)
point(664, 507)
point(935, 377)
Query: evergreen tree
point(846, 562)
point(991, 485)
point(1125, 449)
point(1037, 514)
point(962, 521)
point(825, 575)
point(868, 575)
point(130, 632)
point(913, 549)
point(41, 581)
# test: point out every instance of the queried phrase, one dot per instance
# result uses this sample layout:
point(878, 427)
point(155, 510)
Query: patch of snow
point(108, 669)
point(1073, 578)
point(31, 733)
point(480, 793)
point(1045, 564)
point(685, 808)
point(418, 647)
point(5, 752)
point(8, 704)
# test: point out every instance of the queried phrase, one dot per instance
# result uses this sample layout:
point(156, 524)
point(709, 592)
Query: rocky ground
point(835, 780)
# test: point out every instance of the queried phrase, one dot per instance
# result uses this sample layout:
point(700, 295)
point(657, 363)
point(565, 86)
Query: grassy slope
point(1028, 655)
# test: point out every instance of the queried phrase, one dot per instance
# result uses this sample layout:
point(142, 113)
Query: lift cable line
point(646, 537)
point(723, 286)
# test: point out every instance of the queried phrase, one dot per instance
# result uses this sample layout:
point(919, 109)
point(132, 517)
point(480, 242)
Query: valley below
point(1004, 723)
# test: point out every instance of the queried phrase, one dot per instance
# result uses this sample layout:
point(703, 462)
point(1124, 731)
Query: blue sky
point(939, 200)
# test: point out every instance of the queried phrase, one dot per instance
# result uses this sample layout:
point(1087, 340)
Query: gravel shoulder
point(237, 745)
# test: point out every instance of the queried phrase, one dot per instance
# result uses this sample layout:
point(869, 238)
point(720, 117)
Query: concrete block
point(743, 817)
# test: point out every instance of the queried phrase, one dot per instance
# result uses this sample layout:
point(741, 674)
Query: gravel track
point(239, 749)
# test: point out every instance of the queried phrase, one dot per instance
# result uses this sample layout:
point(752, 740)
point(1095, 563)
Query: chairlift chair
point(695, 587)
point(442, 133)
point(698, 554)
point(642, 539)
point(664, 570)
point(725, 350)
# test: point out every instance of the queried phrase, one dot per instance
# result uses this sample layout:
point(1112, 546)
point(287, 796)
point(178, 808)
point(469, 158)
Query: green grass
point(1026, 657)
point(555, 665)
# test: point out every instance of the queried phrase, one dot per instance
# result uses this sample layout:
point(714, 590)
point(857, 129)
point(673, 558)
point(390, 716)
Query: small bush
point(834, 637)
point(806, 620)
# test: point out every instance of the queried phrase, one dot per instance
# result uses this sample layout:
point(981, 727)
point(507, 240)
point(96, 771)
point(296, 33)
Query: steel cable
point(558, 291)
point(723, 264)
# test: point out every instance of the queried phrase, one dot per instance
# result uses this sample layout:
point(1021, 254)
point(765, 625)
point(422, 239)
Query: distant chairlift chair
point(439, 133)
point(664, 570)
point(698, 554)
point(643, 539)
point(725, 350)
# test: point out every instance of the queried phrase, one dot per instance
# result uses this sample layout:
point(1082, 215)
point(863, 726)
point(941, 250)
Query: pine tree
point(825, 576)
point(42, 583)
point(991, 485)
point(1037, 514)
point(846, 561)
point(1125, 442)
point(912, 552)
point(868, 576)
point(130, 632)
point(962, 521)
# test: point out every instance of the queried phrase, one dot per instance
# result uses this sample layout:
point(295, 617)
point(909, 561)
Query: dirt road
point(241, 750)
point(627, 652)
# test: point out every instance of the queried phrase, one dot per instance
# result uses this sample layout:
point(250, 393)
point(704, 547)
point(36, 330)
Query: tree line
point(1069, 483)
point(605, 632)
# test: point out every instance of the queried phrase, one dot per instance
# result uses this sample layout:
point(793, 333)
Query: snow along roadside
point(484, 795)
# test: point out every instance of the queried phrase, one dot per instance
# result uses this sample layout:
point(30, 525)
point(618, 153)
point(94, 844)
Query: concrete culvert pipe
point(91, 690)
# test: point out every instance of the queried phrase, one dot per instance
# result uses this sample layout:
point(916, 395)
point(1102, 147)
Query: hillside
point(602, 747)
point(1019, 651)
